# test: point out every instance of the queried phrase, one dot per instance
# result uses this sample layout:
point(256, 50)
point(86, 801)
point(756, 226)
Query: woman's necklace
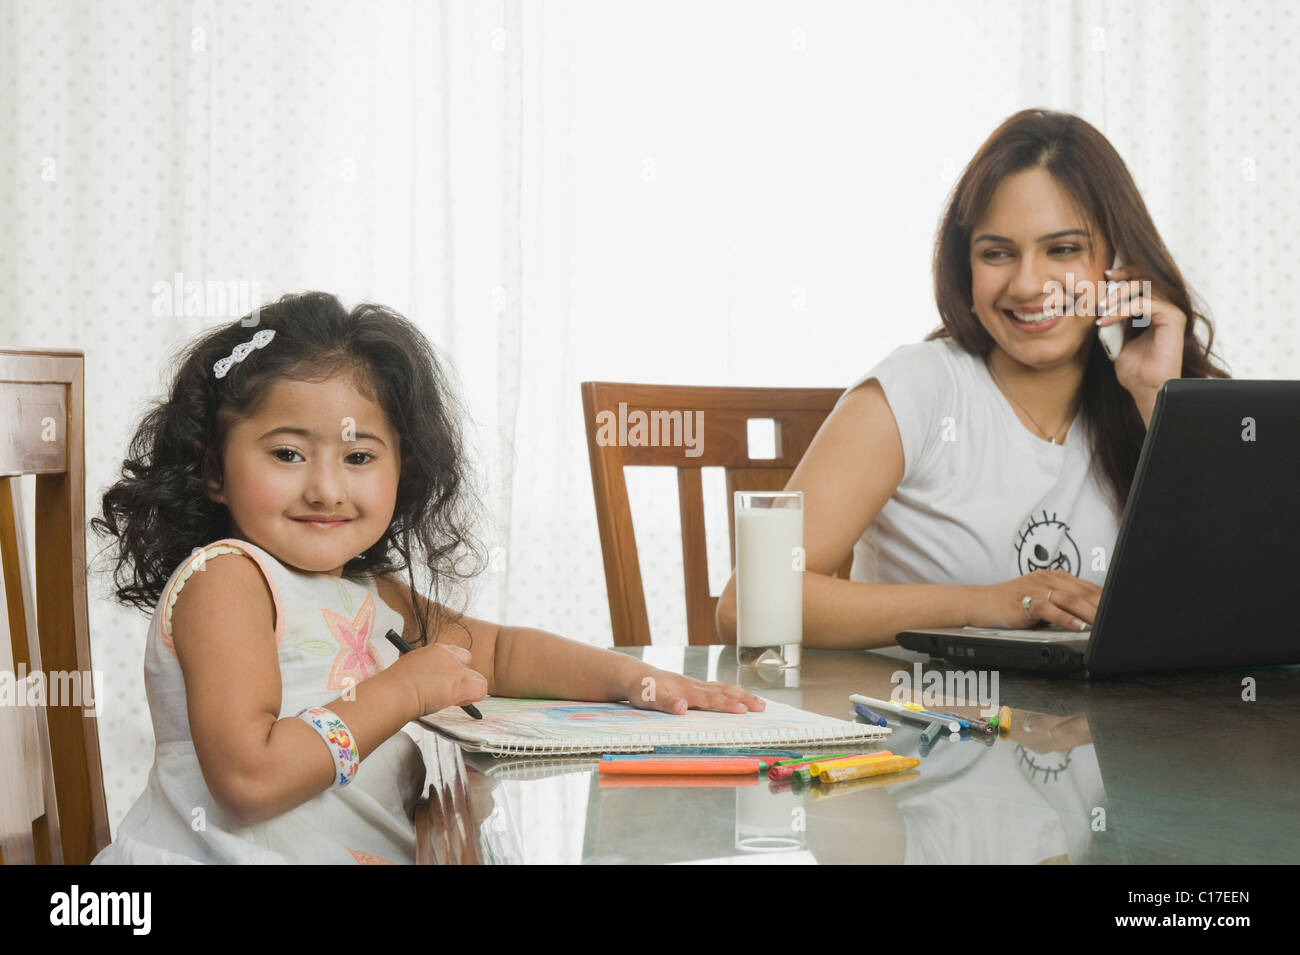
point(1068, 414)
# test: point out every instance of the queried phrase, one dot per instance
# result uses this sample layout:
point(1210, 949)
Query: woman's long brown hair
point(1087, 167)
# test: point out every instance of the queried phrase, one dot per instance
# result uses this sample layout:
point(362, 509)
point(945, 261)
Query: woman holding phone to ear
point(978, 476)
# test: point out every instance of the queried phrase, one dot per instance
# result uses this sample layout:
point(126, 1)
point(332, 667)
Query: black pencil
point(402, 647)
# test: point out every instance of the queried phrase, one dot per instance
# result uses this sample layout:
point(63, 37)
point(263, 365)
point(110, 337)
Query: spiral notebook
point(564, 727)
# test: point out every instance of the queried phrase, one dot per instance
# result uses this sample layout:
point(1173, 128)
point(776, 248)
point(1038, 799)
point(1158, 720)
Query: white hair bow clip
point(241, 351)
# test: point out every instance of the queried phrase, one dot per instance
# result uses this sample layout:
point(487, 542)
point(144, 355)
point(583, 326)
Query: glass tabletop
point(1193, 767)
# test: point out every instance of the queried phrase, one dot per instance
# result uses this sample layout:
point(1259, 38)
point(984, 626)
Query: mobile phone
point(1112, 336)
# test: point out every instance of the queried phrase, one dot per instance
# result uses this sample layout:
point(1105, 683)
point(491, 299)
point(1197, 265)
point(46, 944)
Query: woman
point(978, 476)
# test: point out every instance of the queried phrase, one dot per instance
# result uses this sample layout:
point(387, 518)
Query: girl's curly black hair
point(158, 511)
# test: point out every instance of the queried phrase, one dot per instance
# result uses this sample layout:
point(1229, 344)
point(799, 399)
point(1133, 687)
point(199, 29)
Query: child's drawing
point(604, 713)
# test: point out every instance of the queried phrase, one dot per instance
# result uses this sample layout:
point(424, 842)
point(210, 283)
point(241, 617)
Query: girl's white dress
point(329, 634)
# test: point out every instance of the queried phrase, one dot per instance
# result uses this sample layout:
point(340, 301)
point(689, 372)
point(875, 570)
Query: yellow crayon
point(893, 764)
point(821, 766)
point(830, 791)
point(1004, 719)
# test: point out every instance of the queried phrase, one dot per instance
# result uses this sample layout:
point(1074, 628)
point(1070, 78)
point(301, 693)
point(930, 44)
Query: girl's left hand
point(653, 689)
point(1151, 358)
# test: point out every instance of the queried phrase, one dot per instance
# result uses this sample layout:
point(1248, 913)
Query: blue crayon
point(724, 751)
point(871, 716)
point(931, 733)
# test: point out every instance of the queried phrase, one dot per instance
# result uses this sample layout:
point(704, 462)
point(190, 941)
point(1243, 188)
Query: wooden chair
point(52, 807)
point(797, 412)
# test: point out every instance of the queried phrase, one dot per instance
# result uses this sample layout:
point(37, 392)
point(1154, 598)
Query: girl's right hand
point(1072, 605)
point(442, 677)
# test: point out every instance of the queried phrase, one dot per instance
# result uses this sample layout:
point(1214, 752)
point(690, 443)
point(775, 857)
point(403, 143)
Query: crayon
point(784, 770)
point(830, 790)
point(894, 764)
point(809, 759)
point(870, 715)
point(404, 647)
point(822, 765)
point(684, 767)
point(619, 756)
point(723, 751)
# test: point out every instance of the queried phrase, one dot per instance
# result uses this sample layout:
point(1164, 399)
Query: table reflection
point(1140, 770)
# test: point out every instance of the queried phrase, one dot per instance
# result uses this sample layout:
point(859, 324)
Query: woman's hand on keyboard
point(442, 677)
point(1073, 603)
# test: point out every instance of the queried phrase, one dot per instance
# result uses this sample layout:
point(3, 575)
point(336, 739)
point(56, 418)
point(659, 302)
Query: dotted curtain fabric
point(381, 152)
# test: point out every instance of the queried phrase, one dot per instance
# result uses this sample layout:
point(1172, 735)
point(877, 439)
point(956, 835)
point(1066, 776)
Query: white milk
point(769, 590)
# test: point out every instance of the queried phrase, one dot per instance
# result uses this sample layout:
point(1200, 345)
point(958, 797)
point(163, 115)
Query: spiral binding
point(646, 742)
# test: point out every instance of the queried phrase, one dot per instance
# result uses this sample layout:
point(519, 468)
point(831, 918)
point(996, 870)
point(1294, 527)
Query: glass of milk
point(769, 577)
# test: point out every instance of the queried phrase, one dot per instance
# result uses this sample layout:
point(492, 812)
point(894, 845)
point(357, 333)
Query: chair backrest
point(52, 807)
point(612, 412)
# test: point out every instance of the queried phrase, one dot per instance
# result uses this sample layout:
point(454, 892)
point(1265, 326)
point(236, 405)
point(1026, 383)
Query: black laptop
point(1208, 549)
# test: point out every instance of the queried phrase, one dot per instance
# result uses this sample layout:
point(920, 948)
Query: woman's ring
point(1026, 603)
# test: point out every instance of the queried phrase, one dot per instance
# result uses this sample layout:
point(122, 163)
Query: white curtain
point(392, 152)
point(668, 191)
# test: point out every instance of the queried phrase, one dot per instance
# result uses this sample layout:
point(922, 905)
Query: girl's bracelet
point(337, 736)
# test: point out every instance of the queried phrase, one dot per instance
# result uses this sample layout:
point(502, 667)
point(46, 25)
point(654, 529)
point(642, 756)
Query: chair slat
point(700, 604)
point(33, 727)
point(17, 846)
point(618, 539)
point(636, 425)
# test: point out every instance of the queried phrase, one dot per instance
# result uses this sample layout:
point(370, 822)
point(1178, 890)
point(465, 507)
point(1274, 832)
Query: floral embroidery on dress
point(358, 658)
point(368, 858)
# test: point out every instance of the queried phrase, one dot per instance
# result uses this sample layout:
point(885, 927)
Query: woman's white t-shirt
point(982, 499)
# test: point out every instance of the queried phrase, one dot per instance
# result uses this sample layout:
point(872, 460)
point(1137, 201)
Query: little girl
point(263, 512)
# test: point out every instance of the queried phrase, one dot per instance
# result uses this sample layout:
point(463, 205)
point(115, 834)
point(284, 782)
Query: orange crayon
point(677, 782)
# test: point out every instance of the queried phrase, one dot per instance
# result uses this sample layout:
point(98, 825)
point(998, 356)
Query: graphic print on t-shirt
point(1047, 545)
